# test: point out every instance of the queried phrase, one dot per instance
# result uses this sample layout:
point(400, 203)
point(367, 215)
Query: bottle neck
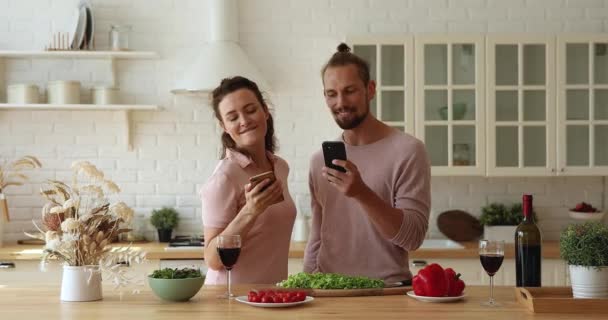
point(527, 208)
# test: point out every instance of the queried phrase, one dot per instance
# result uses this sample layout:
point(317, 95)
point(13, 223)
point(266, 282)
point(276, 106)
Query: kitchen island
point(42, 302)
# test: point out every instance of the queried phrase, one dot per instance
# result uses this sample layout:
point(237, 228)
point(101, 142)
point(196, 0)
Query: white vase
point(589, 282)
point(495, 233)
point(81, 283)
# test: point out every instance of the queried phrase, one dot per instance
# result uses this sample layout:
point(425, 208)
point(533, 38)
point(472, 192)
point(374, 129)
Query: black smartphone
point(334, 150)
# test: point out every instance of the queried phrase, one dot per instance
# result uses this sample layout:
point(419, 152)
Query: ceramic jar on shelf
point(63, 92)
point(23, 93)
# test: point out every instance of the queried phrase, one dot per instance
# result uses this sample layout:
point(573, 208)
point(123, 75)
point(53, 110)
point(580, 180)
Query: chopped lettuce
point(329, 281)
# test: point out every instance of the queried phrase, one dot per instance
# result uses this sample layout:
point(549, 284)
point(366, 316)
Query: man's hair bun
point(343, 47)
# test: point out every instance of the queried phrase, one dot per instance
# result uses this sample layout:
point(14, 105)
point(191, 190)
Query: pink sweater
point(343, 239)
point(264, 252)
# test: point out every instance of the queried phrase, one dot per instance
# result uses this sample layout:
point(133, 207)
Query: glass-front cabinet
point(450, 102)
point(391, 61)
point(582, 121)
point(521, 106)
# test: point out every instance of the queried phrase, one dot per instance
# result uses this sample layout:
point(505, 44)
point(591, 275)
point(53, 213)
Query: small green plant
point(168, 273)
point(585, 244)
point(164, 218)
point(498, 214)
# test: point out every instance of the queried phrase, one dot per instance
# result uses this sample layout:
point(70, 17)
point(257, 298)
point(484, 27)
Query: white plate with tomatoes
point(435, 299)
point(275, 299)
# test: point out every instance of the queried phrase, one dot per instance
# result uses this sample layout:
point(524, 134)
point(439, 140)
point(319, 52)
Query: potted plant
point(176, 284)
point(500, 221)
point(585, 249)
point(164, 220)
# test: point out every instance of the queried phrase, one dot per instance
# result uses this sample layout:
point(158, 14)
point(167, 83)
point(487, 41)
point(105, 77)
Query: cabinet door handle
point(553, 170)
point(562, 170)
point(7, 265)
point(419, 263)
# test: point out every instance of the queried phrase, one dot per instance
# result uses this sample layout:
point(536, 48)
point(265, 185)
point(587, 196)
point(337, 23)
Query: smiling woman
point(262, 214)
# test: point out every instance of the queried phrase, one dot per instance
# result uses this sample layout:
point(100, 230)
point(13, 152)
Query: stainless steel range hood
point(221, 56)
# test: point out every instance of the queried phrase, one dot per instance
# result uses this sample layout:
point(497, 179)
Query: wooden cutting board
point(350, 292)
point(359, 292)
point(459, 225)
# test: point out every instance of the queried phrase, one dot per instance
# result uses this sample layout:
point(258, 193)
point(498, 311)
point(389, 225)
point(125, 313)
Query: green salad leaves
point(168, 273)
point(329, 281)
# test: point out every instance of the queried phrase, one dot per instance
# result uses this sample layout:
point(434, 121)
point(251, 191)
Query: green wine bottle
point(528, 253)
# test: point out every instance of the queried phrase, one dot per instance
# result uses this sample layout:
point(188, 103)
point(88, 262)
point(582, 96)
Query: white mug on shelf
point(64, 92)
point(23, 93)
point(104, 95)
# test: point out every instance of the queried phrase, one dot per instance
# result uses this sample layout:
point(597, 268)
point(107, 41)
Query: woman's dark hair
point(228, 86)
point(344, 57)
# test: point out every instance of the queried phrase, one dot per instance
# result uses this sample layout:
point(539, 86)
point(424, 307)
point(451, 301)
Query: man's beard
point(351, 123)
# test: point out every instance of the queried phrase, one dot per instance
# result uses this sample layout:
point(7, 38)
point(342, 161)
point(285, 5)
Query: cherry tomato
point(301, 296)
point(266, 299)
point(256, 299)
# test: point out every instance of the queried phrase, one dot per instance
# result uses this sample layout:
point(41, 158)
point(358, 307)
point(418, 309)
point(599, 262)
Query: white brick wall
point(176, 149)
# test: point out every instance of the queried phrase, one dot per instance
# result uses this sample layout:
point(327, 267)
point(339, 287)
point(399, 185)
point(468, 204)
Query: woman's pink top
point(265, 249)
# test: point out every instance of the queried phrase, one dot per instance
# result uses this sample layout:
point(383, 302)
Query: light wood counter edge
point(155, 250)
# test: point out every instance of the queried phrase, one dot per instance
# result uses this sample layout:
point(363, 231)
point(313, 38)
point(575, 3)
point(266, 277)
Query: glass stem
point(492, 290)
point(229, 289)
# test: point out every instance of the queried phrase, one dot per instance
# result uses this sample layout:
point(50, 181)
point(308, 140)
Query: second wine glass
point(228, 249)
point(491, 255)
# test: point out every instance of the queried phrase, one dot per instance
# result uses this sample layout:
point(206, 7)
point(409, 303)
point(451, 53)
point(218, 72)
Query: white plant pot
point(81, 283)
point(588, 282)
point(506, 233)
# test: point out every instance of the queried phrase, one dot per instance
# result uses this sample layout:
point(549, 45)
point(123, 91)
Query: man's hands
point(349, 182)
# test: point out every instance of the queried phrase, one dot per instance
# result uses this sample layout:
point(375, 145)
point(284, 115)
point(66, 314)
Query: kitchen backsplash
point(176, 149)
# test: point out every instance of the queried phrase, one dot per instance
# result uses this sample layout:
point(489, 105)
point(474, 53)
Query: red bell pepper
point(455, 284)
point(431, 281)
point(418, 286)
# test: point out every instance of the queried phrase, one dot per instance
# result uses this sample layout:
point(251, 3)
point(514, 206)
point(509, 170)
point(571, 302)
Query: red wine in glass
point(491, 262)
point(228, 250)
point(491, 254)
point(229, 256)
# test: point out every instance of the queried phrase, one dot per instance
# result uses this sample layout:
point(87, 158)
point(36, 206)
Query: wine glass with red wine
point(228, 248)
point(491, 254)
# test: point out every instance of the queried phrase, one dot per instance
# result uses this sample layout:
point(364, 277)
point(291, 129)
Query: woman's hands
point(262, 195)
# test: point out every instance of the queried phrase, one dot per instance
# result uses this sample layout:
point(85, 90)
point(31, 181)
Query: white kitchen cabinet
point(391, 63)
point(27, 272)
point(470, 270)
point(553, 271)
point(450, 113)
point(497, 105)
point(582, 121)
point(521, 105)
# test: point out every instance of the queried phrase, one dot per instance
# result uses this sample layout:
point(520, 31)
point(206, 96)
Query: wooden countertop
point(156, 250)
point(18, 304)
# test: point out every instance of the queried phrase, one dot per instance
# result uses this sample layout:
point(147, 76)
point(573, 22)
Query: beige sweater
point(343, 239)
